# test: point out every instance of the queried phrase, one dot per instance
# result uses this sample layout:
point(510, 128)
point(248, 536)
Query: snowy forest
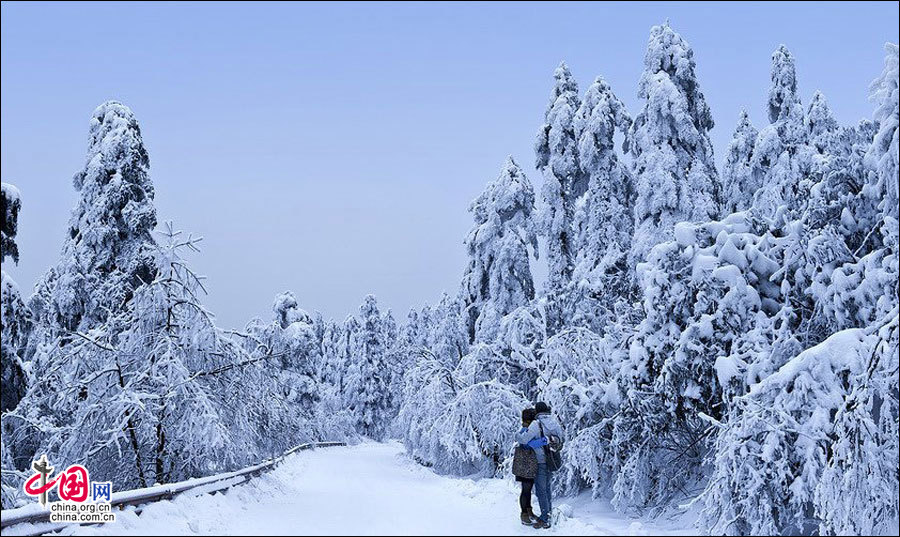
point(722, 336)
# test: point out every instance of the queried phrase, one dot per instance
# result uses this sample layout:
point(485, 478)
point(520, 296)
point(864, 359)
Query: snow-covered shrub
point(331, 420)
point(475, 428)
point(512, 360)
point(139, 392)
point(770, 457)
point(428, 388)
point(863, 290)
point(577, 380)
point(698, 301)
point(11, 480)
point(858, 493)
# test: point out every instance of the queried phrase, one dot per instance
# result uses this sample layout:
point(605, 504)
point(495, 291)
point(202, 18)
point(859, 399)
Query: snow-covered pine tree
point(823, 130)
point(556, 149)
point(847, 176)
point(674, 173)
point(108, 252)
point(800, 221)
point(329, 371)
point(446, 332)
point(739, 181)
point(411, 335)
point(292, 341)
point(813, 444)
point(604, 218)
point(839, 219)
point(883, 155)
point(496, 290)
point(318, 326)
point(331, 419)
point(781, 155)
point(857, 492)
point(368, 376)
point(409, 347)
point(783, 96)
point(811, 224)
point(395, 362)
point(498, 278)
point(837, 155)
point(14, 324)
point(346, 344)
point(109, 249)
point(12, 204)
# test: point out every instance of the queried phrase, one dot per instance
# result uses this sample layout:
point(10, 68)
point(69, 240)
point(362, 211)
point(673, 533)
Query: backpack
point(552, 451)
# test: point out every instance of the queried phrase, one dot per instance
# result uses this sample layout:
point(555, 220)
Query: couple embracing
point(538, 453)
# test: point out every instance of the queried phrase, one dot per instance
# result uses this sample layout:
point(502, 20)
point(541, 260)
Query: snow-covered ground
point(368, 489)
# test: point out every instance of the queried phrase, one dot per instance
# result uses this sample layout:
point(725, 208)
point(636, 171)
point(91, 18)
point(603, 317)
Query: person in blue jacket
point(536, 436)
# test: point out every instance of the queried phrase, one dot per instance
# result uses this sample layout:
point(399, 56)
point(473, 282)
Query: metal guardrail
point(138, 497)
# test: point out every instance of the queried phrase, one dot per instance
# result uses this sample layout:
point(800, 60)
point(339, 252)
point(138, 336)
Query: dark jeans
point(525, 495)
point(542, 489)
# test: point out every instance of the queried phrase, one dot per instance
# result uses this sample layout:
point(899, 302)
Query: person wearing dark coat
point(528, 516)
point(536, 436)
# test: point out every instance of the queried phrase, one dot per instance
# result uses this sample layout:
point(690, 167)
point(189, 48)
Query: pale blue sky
point(333, 149)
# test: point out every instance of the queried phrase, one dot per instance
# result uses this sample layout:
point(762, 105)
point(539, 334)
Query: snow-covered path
point(365, 489)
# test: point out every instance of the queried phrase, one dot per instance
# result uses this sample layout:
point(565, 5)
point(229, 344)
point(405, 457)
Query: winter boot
point(528, 517)
point(540, 525)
